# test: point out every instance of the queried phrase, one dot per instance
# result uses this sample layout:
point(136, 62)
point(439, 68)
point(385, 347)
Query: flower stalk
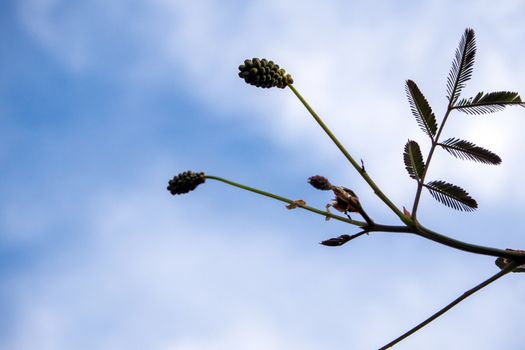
point(352, 161)
point(288, 201)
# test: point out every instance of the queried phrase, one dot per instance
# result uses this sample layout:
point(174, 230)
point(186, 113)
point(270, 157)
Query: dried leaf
point(327, 218)
point(295, 204)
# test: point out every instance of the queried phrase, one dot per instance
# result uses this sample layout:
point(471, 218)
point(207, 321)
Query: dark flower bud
point(320, 183)
point(336, 242)
point(185, 182)
point(264, 73)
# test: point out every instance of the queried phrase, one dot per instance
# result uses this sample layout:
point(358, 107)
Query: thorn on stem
point(363, 165)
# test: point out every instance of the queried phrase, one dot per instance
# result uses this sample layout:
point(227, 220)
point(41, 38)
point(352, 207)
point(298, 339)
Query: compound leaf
point(468, 151)
point(421, 109)
point(413, 160)
point(451, 195)
point(489, 103)
point(462, 65)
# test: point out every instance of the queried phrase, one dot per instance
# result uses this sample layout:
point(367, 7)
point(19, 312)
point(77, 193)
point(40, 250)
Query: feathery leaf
point(489, 103)
point(462, 65)
point(451, 195)
point(421, 109)
point(414, 160)
point(468, 151)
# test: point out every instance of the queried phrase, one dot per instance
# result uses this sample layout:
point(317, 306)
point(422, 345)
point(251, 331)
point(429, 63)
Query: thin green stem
point(356, 165)
point(289, 201)
point(509, 268)
point(421, 181)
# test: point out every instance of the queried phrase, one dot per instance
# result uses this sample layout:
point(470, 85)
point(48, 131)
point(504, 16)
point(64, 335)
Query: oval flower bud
point(264, 73)
point(320, 183)
point(185, 182)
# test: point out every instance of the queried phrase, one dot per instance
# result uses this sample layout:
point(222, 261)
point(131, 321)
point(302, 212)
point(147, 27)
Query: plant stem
point(373, 227)
point(467, 247)
point(357, 167)
point(509, 268)
point(289, 201)
point(450, 242)
point(421, 181)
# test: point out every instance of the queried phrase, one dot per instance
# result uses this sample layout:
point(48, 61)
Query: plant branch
point(509, 268)
point(467, 247)
point(421, 181)
point(357, 167)
point(424, 232)
point(374, 227)
point(289, 201)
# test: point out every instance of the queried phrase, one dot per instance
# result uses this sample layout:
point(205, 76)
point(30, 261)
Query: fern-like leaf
point(489, 103)
point(421, 109)
point(468, 151)
point(462, 65)
point(451, 195)
point(414, 160)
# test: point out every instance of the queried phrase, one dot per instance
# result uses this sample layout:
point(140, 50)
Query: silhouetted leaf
point(413, 160)
point(467, 150)
point(462, 65)
point(421, 109)
point(489, 103)
point(451, 195)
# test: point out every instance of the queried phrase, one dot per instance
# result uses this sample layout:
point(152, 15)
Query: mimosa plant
point(266, 74)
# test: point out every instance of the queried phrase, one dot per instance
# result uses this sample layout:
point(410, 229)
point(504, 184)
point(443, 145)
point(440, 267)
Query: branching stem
point(374, 227)
point(421, 181)
point(461, 72)
point(356, 165)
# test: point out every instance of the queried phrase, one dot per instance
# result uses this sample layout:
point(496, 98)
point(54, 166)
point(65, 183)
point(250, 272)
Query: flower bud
point(336, 242)
point(320, 182)
point(264, 73)
point(185, 182)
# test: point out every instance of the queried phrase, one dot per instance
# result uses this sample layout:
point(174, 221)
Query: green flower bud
point(185, 182)
point(264, 73)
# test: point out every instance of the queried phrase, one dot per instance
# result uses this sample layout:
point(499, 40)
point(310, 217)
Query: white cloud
point(154, 275)
point(351, 72)
point(150, 273)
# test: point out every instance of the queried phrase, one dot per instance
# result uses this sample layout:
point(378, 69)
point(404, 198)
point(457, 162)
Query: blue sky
point(101, 103)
